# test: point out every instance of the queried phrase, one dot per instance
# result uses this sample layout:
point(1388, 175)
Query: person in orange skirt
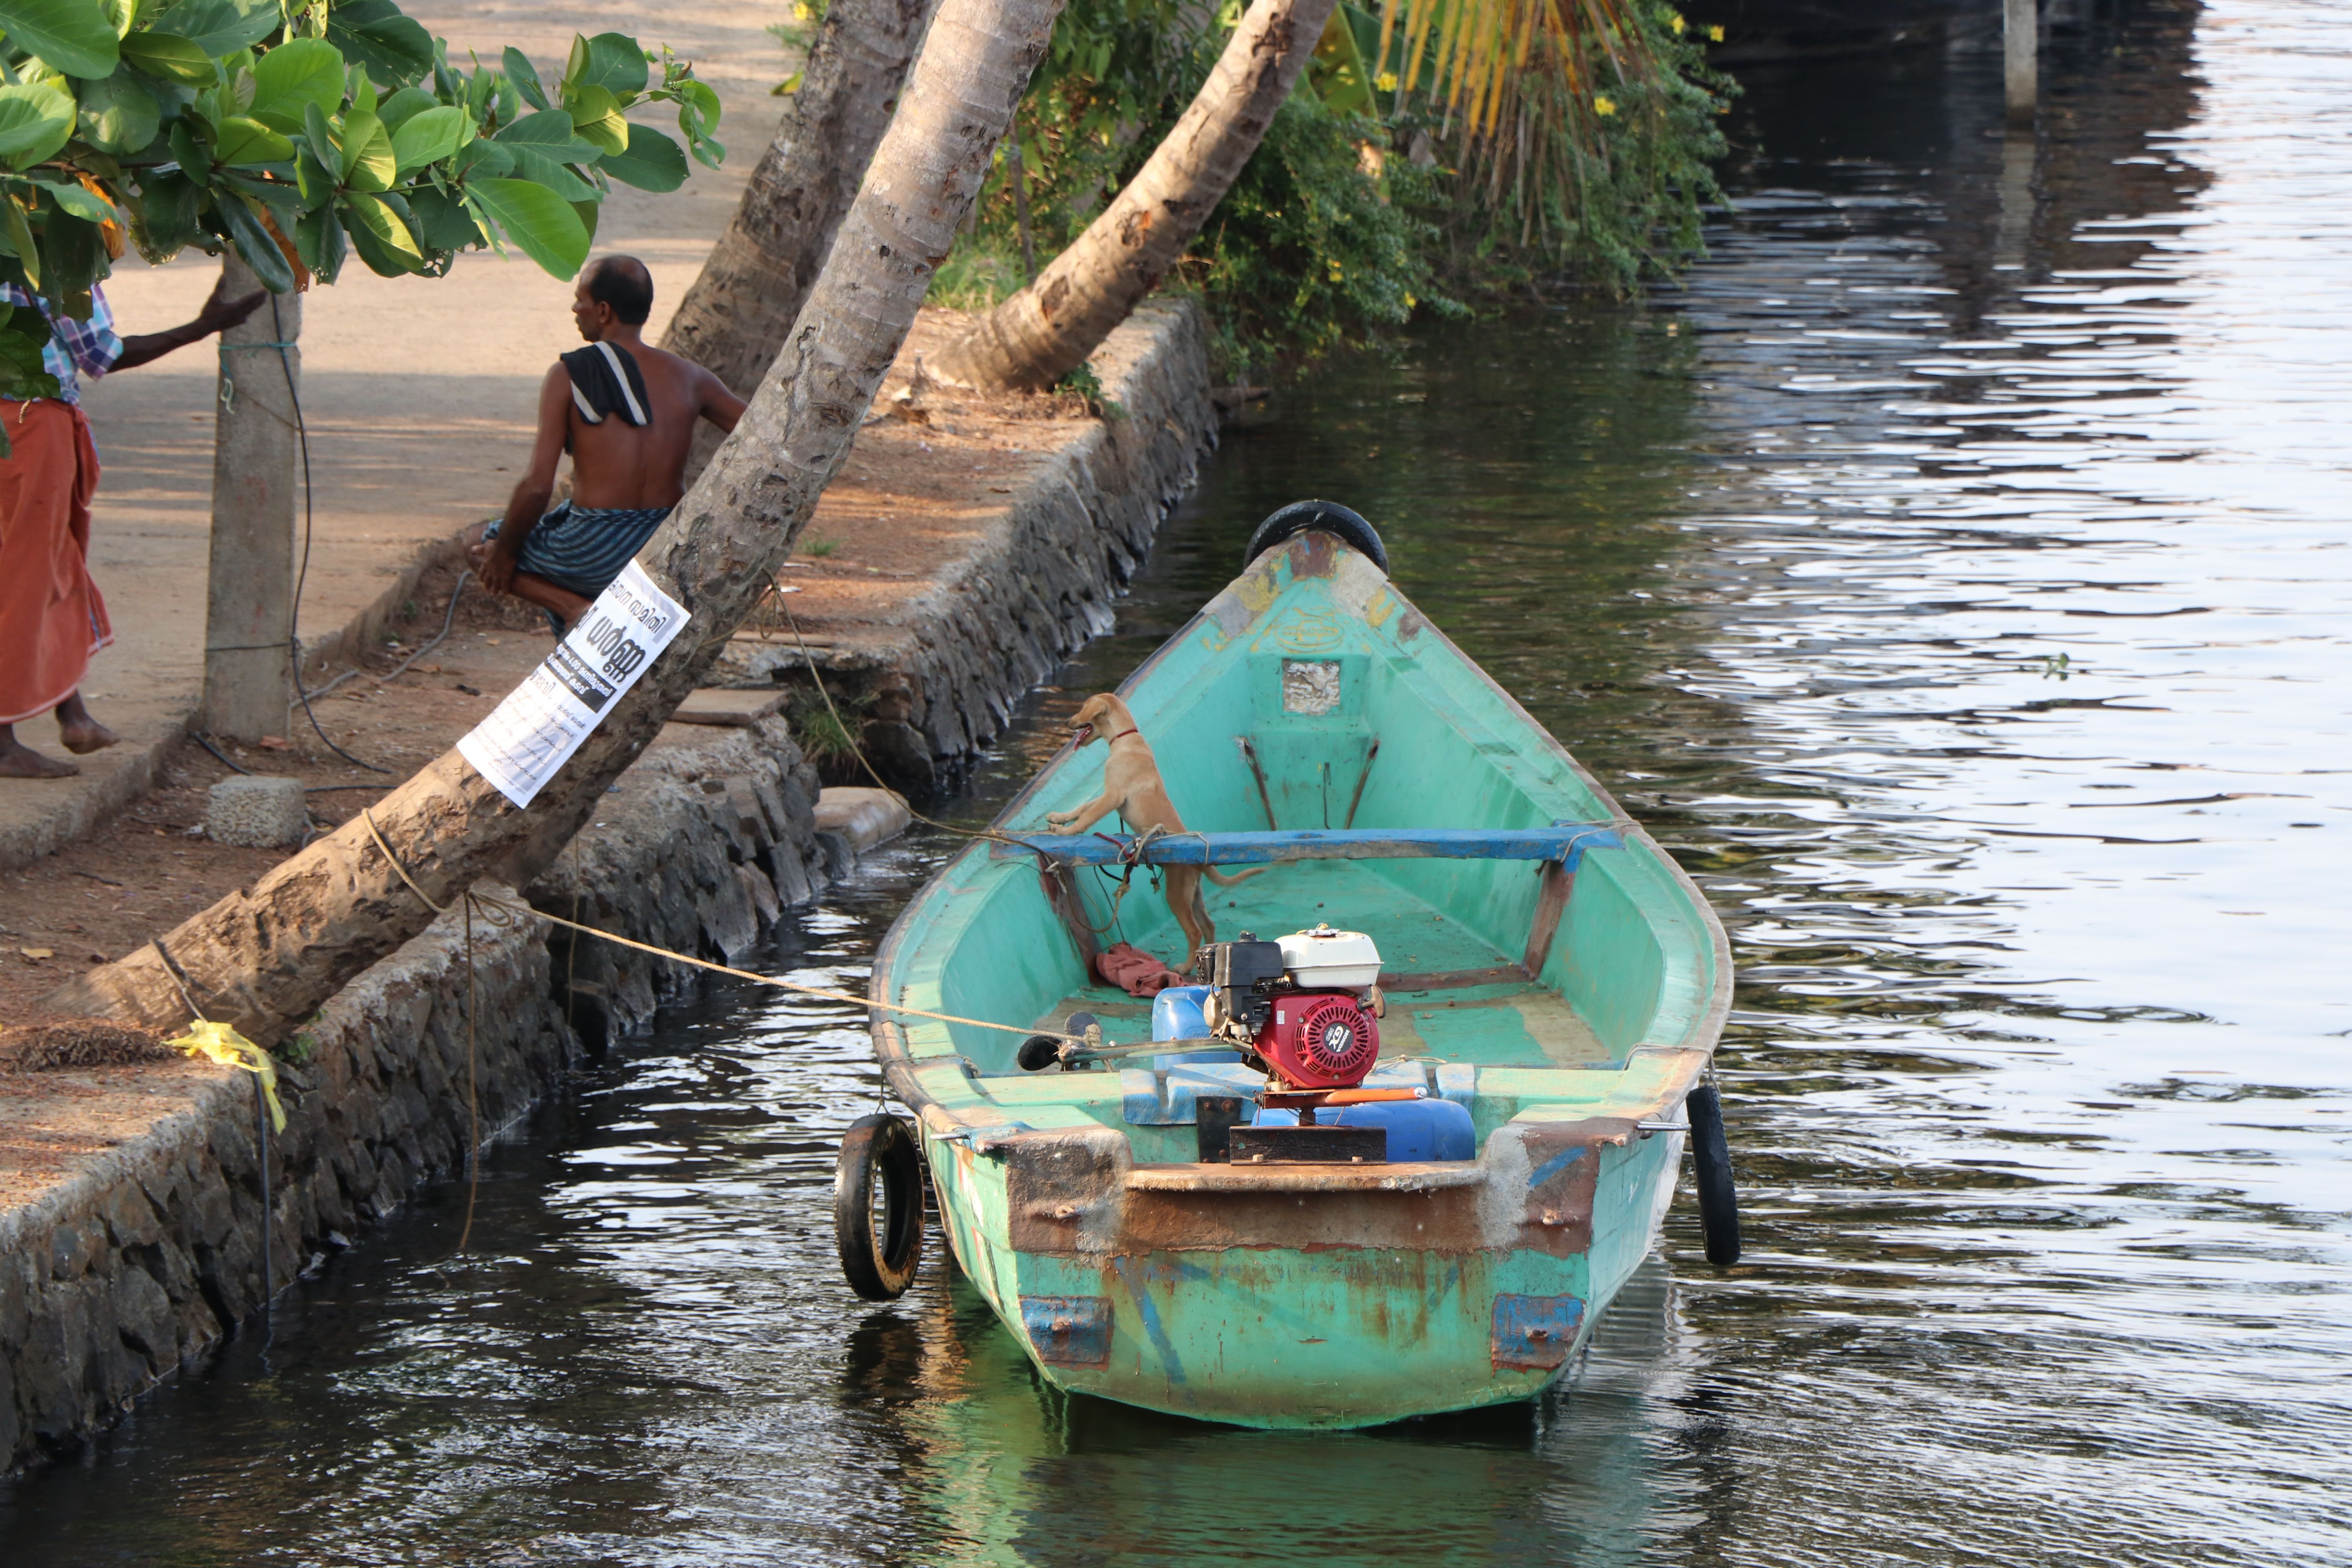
point(51, 615)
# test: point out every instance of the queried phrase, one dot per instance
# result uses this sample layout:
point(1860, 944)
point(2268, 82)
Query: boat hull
point(1570, 1005)
point(1317, 1336)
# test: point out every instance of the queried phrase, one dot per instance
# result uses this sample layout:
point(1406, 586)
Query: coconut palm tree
point(1047, 330)
point(264, 960)
point(756, 278)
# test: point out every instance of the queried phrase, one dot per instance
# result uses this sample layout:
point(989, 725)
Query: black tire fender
point(879, 1260)
point(1719, 1200)
point(1327, 516)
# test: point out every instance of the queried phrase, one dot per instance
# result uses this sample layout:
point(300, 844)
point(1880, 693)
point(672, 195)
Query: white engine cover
point(1328, 959)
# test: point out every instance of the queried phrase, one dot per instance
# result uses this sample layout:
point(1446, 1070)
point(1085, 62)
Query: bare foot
point(18, 760)
point(81, 733)
point(85, 737)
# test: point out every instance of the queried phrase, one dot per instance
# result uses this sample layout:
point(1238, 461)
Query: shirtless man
point(625, 412)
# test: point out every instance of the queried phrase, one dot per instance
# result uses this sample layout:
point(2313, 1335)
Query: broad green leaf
point(243, 141)
point(374, 33)
point(403, 106)
point(381, 237)
point(313, 177)
point(325, 144)
point(164, 216)
point(525, 76)
point(118, 115)
point(596, 117)
point(442, 221)
point(485, 157)
point(80, 201)
point(319, 239)
point(20, 238)
point(368, 164)
point(363, 90)
point(222, 27)
point(76, 36)
point(23, 375)
point(428, 137)
point(257, 245)
point(35, 122)
point(280, 201)
point(541, 223)
point(550, 133)
point(480, 88)
point(170, 57)
point(653, 162)
point(303, 71)
point(194, 160)
point(703, 101)
point(531, 165)
point(72, 259)
point(707, 153)
point(613, 61)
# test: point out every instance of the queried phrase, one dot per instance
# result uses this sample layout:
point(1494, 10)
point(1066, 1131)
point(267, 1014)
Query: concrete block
point(866, 817)
point(258, 813)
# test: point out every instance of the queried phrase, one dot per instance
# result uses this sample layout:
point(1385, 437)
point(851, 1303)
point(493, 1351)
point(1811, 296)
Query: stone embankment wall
point(151, 1253)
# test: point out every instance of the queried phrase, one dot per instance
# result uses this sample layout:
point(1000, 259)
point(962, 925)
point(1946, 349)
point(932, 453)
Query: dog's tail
point(1224, 880)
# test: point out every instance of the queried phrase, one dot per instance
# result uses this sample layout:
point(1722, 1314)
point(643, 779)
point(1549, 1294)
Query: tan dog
point(1133, 788)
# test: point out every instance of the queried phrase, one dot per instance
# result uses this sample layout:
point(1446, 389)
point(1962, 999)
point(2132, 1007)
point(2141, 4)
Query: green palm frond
point(1580, 128)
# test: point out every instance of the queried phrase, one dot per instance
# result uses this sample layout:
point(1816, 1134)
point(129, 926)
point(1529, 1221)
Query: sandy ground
point(418, 393)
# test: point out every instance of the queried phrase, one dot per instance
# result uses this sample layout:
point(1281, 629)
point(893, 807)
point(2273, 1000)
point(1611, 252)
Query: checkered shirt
point(90, 346)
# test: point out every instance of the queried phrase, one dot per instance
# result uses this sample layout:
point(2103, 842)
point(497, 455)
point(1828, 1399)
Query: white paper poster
point(543, 720)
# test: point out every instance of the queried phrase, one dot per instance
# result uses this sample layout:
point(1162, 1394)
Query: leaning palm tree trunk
point(264, 960)
point(1047, 330)
point(733, 319)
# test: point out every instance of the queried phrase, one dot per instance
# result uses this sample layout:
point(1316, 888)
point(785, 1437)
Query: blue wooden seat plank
point(1563, 841)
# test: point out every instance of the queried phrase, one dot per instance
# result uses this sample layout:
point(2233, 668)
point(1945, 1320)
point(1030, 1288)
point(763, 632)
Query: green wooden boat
point(1545, 966)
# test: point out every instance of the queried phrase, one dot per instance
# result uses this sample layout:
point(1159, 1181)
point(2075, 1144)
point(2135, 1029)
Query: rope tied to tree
point(1093, 1036)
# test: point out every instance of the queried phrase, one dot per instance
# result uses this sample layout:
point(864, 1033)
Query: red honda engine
point(1319, 1039)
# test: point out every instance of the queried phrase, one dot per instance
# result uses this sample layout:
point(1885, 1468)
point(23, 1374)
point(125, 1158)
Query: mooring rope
point(492, 901)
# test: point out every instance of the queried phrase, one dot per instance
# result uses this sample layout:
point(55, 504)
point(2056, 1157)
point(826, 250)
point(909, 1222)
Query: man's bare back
point(615, 466)
point(619, 465)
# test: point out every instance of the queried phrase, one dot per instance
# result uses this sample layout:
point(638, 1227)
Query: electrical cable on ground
point(447, 620)
point(206, 741)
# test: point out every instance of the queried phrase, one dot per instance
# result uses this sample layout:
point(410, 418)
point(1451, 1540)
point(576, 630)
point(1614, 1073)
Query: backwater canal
point(1955, 576)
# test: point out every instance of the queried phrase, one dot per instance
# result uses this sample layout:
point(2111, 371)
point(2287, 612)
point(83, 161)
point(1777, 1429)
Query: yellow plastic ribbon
point(222, 1043)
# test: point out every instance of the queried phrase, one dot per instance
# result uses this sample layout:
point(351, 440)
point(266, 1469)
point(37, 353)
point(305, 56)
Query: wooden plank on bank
point(718, 705)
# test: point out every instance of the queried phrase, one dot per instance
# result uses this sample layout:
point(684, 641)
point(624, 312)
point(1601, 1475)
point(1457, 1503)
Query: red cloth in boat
point(1134, 971)
point(51, 616)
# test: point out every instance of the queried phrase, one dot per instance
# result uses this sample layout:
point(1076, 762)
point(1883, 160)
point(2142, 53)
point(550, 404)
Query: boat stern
point(1305, 1296)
